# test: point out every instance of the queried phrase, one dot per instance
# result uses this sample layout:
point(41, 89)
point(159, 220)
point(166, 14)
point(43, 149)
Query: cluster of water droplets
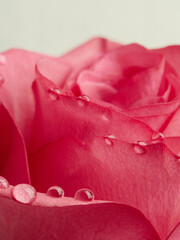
point(25, 193)
point(139, 146)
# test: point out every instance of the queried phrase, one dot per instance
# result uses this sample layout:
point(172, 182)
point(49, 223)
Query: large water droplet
point(139, 149)
point(2, 59)
point(84, 195)
point(3, 183)
point(54, 93)
point(157, 136)
point(24, 193)
point(55, 191)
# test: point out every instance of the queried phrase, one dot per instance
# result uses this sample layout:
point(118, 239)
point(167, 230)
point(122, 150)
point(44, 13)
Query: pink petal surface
point(16, 93)
point(148, 180)
point(94, 47)
point(72, 156)
point(157, 116)
point(69, 116)
point(53, 70)
point(13, 163)
point(175, 235)
point(171, 54)
point(66, 218)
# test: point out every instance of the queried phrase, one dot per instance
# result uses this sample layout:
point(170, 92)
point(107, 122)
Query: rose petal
point(173, 127)
point(126, 61)
point(145, 177)
point(99, 220)
point(156, 116)
point(145, 84)
point(90, 85)
point(16, 93)
point(175, 235)
point(173, 143)
point(70, 116)
point(171, 53)
point(13, 163)
point(91, 48)
point(53, 70)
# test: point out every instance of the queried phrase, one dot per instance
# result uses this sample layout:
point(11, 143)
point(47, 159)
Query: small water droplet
point(1, 80)
point(55, 191)
point(85, 98)
point(54, 93)
point(82, 100)
point(157, 136)
point(108, 139)
point(3, 183)
point(24, 193)
point(139, 149)
point(141, 143)
point(111, 136)
point(84, 195)
point(2, 59)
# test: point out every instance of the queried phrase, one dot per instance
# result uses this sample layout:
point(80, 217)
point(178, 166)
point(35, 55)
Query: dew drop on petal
point(84, 195)
point(2, 59)
point(85, 98)
point(54, 93)
point(111, 136)
point(139, 149)
point(141, 143)
point(108, 139)
point(55, 191)
point(3, 183)
point(24, 193)
point(157, 136)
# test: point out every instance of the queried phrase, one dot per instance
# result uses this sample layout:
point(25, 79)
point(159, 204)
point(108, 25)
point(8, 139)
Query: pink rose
point(103, 121)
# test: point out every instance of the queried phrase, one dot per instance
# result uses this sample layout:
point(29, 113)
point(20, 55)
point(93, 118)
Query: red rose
point(103, 117)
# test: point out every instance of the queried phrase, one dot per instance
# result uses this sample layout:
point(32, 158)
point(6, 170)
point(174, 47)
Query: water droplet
point(55, 191)
point(157, 136)
point(141, 143)
point(82, 100)
point(139, 149)
point(54, 93)
point(85, 98)
point(24, 193)
point(2, 59)
point(84, 195)
point(111, 136)
point(108, 139)
point(1, 80)
point(3, 183)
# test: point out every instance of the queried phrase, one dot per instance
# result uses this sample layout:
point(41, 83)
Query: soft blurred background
point(55, 26)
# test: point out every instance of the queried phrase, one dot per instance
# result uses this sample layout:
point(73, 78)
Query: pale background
point(55, 26)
